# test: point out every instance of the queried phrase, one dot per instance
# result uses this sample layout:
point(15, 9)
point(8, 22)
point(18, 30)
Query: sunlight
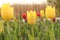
point(23, 1)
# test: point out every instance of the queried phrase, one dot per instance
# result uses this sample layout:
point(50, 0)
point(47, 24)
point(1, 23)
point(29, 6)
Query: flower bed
point(30, 25)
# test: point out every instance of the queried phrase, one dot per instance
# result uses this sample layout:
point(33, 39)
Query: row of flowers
point(7, 13)
point(31, 29)
point(31, 16)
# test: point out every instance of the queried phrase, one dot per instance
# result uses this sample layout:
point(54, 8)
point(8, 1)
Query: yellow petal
point(42, 13)
point(7, 12)
point(50, 12)
point(31, 19)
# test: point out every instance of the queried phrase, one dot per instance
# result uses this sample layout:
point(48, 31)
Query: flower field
point(31, 25)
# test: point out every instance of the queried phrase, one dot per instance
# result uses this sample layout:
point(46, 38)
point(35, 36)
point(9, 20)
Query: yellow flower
point(42, 13)
point(31, 17)
point(34, 13)
point(7, 12)
point(0, 11)
point(50, 12)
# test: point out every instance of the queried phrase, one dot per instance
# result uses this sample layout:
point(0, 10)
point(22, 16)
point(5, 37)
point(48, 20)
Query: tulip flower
point(53, 19)
point(7, 12)
point(42, 13)
point(0, 11)
point(50, 12)
point(24, 15)
point(31, 17)
point(38, 14)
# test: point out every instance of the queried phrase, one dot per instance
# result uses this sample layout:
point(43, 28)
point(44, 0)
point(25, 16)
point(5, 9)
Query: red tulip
point(38, 14)
point(24, 15)
point(25, 19)
point(54, 19)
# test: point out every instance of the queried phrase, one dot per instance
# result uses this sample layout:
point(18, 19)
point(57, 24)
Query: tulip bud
point(24, 15)
point(38, 14)
point(53, 19)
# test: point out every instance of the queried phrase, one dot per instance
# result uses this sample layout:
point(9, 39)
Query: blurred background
point(21, 29)
point(24, 5)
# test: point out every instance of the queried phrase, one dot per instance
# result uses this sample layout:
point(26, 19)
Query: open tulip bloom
point(7, 12)
point(50, 12)
point(31, 17)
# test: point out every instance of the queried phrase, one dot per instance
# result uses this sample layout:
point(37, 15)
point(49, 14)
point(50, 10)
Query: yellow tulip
point(42, 13)
point(7, 12)
point(34, 13)
point(50, 12)
point(0, 11)
point(31, 17)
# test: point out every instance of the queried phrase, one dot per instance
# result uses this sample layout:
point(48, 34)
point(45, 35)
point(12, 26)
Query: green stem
point(32, 29)
point(15, 34)
point(8, 28)
point(46, 28)
point(8, 35)
point(38, 32)
point(0, 37)
point(1, 29)
point(52, 35)
point(15, 26)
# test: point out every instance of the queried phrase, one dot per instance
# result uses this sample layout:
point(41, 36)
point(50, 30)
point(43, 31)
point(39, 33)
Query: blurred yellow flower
point(34, 13)
point(7, 12)
point(42, 13)
point(50, 12)
point(31, 17)
point(0, 11)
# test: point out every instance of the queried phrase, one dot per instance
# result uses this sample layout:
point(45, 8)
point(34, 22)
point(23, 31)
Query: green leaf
point(29, 35)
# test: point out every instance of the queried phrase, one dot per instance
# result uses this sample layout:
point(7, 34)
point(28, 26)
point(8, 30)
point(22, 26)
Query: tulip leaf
point(29, 35)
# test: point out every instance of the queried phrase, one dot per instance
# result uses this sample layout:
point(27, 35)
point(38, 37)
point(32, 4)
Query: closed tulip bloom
point(23, 15)
point(42, 13)
point(50, 12)
point(38, 14)
point(7, 12)
point(53, 19)
point(31, 17)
